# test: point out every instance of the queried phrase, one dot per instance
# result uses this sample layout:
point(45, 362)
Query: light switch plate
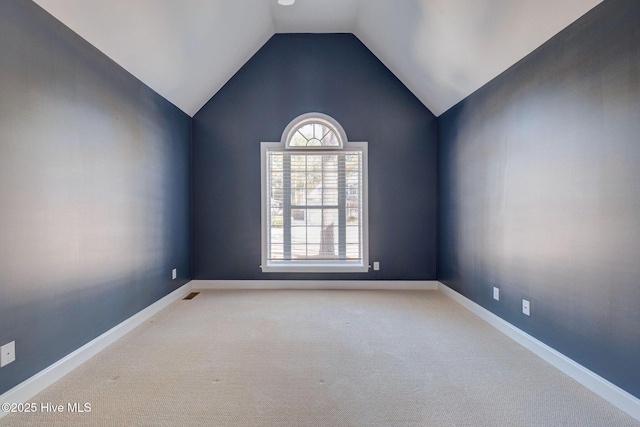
point(525, 307)
point(496, 294)
point(174, 273)
point(7, 353)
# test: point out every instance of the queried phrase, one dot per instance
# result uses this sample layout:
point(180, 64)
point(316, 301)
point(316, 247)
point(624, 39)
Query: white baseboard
point(605, 389)
point(422, 285)
point(600, 386)
point(24, 391)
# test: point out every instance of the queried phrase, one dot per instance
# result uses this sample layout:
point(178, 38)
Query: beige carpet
point(319, 358)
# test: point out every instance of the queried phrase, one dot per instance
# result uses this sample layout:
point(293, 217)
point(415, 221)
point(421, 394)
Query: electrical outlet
point(525, 307)
point(496, 294)
point(376, 266)
point(174, 274)
point(7, 353)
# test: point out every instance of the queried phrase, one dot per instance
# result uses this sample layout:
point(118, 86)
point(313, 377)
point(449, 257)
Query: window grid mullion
point(342, 208)
point(286, 206)
point(306, 213)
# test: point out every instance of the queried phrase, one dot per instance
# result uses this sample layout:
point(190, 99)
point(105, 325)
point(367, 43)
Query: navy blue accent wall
point(333, 74)
point(539, 193)
point(94, 192)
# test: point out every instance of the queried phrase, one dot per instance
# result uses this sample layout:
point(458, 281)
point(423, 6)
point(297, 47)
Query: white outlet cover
point(496, 294)
point(525, 307)
point(174, 273)
point(7, 353)
point(376, 266)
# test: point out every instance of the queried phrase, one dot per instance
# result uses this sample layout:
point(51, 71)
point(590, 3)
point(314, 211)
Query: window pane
point(313, 251)
point(329, 241)
point(274, 156)
point(298, 180)
point(277, 195)
point(330, 197)
point(298, 216)
point(276, 251)
point(330, 217)
point(313, 135)
point(330, 161)
point(353, 251)
point(314, 163)
point(314, 234)
point(328, 137)
point(276, 180)
point(314, 197)
point(308, 196)
point(353, 208)
point(298, 238)
point(298, 162)
point(314, 180)
point(307, 131)
point(298, 251)
point(352, 161)
point(353, 234)
point(299, 196)
point(276, 246)
point(298, 140)
point(353, 217)
point(276, 218)
point(331, 140)
point(319, 130)
point(330, 178)
point(314, 217)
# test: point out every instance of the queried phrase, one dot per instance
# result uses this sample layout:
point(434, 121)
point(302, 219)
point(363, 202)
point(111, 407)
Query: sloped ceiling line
point(442, 50)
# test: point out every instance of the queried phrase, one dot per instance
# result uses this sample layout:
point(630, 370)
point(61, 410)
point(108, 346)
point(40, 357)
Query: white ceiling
point(442, 50)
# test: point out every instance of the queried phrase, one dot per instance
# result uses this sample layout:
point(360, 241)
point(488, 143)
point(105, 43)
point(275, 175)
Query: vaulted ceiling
point(442, 50)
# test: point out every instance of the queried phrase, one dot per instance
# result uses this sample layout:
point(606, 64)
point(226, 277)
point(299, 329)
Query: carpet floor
point(319, 358)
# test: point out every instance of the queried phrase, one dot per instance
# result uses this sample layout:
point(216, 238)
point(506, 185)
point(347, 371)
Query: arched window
point(314, 199)
point(314, 131)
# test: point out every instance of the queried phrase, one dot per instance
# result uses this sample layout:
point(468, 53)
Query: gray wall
point(333, 74)
point(94, 192)
point(539, 190)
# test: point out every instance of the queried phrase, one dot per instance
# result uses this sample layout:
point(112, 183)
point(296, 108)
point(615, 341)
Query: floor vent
point(192, 295)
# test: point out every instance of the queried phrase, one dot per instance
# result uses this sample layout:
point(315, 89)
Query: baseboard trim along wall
point(43, 379)
point(405, 285)
point(600, 386)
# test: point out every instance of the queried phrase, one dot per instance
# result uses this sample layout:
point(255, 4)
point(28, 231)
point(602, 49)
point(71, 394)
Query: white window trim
point(311, 266)
point(302, 120)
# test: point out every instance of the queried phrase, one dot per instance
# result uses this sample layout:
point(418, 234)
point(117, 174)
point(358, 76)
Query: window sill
point(314, 268)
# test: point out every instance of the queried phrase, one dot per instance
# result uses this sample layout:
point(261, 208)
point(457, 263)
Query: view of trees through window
point(315, 210)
